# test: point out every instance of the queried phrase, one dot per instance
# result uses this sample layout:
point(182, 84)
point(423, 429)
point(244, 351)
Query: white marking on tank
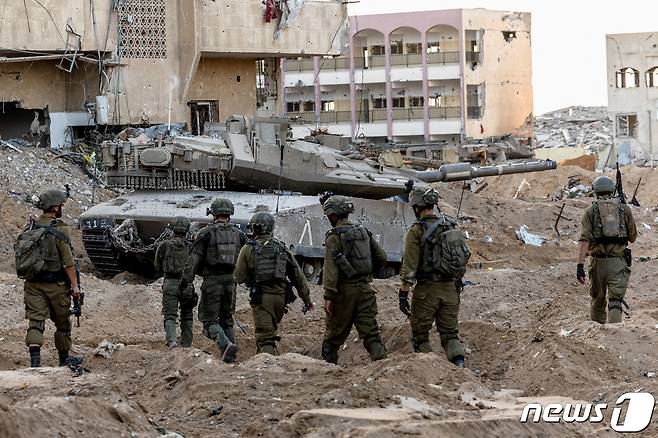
point(307, 227)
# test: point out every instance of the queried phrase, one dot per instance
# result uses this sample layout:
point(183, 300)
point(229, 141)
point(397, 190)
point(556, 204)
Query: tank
point(259, 168)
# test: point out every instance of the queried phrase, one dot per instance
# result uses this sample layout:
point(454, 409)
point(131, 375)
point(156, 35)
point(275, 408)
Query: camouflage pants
point(356, 305)
point(216, 308)
point(267, 316)
point(436, 302)
point(43, 301)
point(172, 298)
point(608, 279)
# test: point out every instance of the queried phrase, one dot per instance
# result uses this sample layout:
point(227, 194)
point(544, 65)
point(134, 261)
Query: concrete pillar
point(462, 78)
point(426, 87)
point(283, 107)
point(389, 89)
point(318, 97)
point(352, 88)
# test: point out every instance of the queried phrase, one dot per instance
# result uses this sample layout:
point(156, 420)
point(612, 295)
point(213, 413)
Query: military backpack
point(224, 245)
point(175, 257)
point(355, 258)
point(36, 251)
point(609, 224)
point(445, 252)
point(270, 260)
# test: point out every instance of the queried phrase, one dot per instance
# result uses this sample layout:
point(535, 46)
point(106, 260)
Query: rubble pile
point(576, 126)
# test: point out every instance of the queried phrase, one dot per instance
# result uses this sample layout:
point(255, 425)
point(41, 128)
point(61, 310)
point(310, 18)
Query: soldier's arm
point(297, 277)
point(197, 255)
point(68, 262)
point(157, 261)
point(411, 260)
point(330, 271)
point(241, 271)
point(585, 236)
point(631, 229)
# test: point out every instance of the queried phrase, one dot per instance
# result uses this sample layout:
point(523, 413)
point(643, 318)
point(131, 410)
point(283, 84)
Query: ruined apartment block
point(74, 63)
point(633, 97)
point(443, 75)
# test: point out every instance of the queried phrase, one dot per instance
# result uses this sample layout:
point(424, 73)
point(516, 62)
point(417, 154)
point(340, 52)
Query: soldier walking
point(270, 271)
point(170, 258)
point(214, 254)
point(435, 258)
point(607, 228)
point(351, 257)
point(44, 258)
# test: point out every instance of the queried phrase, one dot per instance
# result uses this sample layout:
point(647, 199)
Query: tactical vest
point(175, 256)
point(609, 224)
point(270, 260)
point(223, 246)
point(445, 253)
point(37, 257)
point(355, 247)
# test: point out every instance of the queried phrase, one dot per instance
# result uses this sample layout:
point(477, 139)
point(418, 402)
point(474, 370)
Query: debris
point(577, 126)
point(646, 227)
point(76, 364)
point(529, 239)
point(650, 374)
point(10, 146)
point(518, 191)
point(216, 411)
point(488, 239)
point(565, 333)
point(106, 349)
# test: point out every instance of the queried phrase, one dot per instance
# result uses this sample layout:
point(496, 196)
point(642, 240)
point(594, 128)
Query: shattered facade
point(442, 75)
point(146, 62)
point(633, 96)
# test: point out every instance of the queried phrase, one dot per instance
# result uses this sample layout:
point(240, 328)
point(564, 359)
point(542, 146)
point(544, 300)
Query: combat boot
point(230, 352)
point(172, 345)
point(186, 335)
point(35, 356)
point(230, 334)
point(458, 361)
point(64, 358)
point(614, 311)
point(330, 352)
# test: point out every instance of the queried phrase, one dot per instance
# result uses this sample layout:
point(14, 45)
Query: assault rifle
point(619, 188)
point(78, 302)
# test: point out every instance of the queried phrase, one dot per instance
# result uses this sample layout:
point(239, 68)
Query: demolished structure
point(72, 63)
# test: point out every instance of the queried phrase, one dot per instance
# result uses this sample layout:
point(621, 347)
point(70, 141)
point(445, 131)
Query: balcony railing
point(299, 65)
point(445, 112)
point(336, 117)
point(408, 113)
point(407, 60)
point(379, 115)
point(443, 58)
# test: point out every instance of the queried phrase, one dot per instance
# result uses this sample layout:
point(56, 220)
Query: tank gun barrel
point(466, 171)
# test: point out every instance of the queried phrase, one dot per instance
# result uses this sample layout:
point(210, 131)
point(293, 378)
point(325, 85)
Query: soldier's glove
point(182, 285)
point(580, 273)
point(404, 302)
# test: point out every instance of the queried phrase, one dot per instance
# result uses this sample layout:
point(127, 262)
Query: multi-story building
point(122, 62)
point(633, 96)
point(430, 76)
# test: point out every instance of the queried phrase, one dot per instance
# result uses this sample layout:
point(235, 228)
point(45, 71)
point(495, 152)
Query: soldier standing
point(214, 253)
point(270, 271)
point(435, 258)
point(607, 227)
point(170, 258)
point(351, 256)
point(44, 257)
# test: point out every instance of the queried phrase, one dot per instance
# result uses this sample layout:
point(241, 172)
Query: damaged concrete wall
point(505, 69)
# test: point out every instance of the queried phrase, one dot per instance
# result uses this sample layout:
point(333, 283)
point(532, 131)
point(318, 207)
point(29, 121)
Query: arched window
point(628, 77)
point(652, 77)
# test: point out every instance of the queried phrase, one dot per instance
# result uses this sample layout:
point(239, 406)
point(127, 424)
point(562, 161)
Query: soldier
point(270, 271)
point(607, 227)
point(436, 294)
point(50, 280)
point(170, 258)
point(214, 253)
point(351, 257)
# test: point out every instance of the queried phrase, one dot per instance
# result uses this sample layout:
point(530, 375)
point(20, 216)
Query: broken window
point(627, 77)
point(379, 102)
point(398, 102)
point(414, 48)
point(627, 125)
point(652, 77)
point(509, 35)
point(416, 102)
point(377, 50)
point(396, 48)
point(433, 48)
point(202, 112)
point(293, 107)
point(309, 105)
point(328, 105)
point(435, 101)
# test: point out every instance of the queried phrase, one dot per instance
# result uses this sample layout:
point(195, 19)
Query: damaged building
point(432, 76)
point(633, 97)
point(66, 64)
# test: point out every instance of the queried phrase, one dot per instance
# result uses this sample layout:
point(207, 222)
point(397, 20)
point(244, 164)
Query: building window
point(398, 102)
point(652, 77)
point(627, 125)
point(414, 48)
point(628, 77)
point(328, 105)
point(379, 102)
point(309, 105)
point(416, 102)
point(435, 101)
point(293, 107)
point(396, 48)
point(377, 50)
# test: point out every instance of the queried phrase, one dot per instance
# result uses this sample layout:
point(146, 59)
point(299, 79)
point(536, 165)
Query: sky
point(568, 40)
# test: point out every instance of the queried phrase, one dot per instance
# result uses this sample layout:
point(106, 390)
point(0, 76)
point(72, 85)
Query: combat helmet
point(51, 198)
point(181, 225)
point(603, 185)
point(423, 197)
point(338, 205)
point(261, 223)
point(221, 206)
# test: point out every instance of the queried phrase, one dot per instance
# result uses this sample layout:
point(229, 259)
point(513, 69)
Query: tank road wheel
point(312, 269)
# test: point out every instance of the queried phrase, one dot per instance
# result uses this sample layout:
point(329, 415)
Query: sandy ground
point(524, 323)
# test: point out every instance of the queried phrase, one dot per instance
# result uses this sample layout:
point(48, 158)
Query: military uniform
point(265, 264)
point(434, 299)
point(609, 271)
point(49, 296)
point(213, 256)
point(170, 259)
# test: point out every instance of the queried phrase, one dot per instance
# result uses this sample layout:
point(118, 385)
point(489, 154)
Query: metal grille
point(142, 29)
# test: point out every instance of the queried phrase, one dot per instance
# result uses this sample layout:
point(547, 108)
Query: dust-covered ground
point(524, 323)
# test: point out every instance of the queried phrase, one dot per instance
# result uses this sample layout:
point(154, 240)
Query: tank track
point(100, 251)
